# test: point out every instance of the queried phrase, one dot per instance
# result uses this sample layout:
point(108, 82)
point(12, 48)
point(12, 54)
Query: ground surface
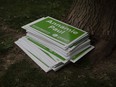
point(18, 70)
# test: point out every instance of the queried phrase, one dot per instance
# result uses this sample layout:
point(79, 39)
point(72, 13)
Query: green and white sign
point(58, 30)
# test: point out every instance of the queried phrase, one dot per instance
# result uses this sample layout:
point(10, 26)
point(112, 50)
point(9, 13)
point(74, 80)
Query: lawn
point(18, 70)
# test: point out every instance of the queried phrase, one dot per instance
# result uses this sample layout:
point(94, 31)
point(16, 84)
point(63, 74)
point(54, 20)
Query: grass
point(6, 43)
point(18, 70)
point(19, 12)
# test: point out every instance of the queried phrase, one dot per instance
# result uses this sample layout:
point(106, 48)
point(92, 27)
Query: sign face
point(57, 30)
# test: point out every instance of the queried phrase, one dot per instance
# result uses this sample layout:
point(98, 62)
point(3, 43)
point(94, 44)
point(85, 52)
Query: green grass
point(6, 42)
point(19, 12)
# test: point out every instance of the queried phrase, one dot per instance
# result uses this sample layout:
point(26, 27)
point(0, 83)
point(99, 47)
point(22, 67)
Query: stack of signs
point(52, 44)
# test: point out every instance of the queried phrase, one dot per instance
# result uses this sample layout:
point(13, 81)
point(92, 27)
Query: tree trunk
point(98, 17)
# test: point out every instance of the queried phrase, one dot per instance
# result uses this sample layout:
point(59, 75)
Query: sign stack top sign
point(60, 33)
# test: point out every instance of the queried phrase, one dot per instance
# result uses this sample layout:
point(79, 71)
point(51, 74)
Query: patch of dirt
point(14, 54)
point(104, 68)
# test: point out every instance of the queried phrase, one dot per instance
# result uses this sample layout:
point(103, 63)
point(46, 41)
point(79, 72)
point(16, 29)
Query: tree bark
point(98, 17)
